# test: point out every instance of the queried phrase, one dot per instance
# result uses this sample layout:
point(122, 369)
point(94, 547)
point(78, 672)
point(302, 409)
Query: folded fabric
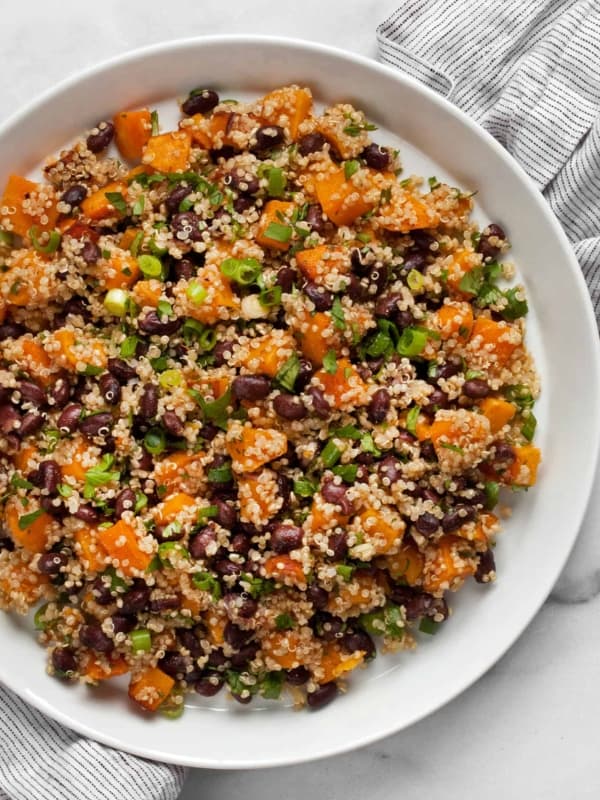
point(41, 760)
point(529, 72)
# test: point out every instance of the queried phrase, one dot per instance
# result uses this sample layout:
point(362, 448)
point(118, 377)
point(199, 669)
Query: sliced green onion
point(116, 302)
point(38, 619)
point(284, 622)
point(207, 583)
point(348, 432)
point(134, 248)
point(492, 493)
point(412, 419)
point(154, 122)
point(170, 378)
point(276, 182)
point(129, 346)
point(208, 512)
point(7, 238)
point(141, 501)
point(337, 312)
point(516, 306)
point(220, 474)
point(151, 266)
point(192, 329)
point(345, 571)
point(412, 342)
point(529, 426)
point(52, 244)
point(64, 490)
point(164, 308)
point(196, 293)
point(155, 441)
point(304, 488)
point(138, 206)
point(278, 232)
point(330, 362)
point(172, 711)
point(241, 270)
point(167, 549)
point(141, 641)
point(271, 297)
point(414, 280)
point(347, 472)
point(427, 625)
point(350, 168)
point(386, 621)
point(117, 201)
point(330, 454)
point(272, 684)
point(286, 376)
point(207, 340)
point(368, 445)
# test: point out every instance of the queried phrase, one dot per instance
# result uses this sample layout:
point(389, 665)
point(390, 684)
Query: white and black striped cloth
point(529, 72)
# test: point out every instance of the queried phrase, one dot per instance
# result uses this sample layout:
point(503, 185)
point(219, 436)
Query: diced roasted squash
point(132, 132)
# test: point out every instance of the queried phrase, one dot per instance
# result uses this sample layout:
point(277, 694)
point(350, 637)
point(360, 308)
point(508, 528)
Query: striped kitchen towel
point(529, 72)
point(41, 760)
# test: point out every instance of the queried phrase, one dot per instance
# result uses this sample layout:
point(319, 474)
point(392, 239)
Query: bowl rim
point(585, 306)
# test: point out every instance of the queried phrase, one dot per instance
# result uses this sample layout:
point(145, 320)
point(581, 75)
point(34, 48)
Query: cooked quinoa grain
point(259, 395)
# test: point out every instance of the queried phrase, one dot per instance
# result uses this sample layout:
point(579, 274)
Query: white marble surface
point(528, 728)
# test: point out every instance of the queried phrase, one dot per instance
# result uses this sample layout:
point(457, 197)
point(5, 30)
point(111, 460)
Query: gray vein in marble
point(577, 590)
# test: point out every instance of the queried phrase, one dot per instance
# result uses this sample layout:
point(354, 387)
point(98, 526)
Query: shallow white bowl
point(435, 138)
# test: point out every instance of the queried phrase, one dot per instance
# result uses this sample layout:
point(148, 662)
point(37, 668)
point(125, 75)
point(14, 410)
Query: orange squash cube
point(132, 132)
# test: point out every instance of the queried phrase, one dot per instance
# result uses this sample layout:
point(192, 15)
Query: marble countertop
point(527, 729)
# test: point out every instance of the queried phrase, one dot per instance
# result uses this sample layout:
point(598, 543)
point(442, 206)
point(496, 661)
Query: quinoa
point(260, 395)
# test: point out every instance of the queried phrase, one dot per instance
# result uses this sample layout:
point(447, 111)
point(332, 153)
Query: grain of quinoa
point(259, 391)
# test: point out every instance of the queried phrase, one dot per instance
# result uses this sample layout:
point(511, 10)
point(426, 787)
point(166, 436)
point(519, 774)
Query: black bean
point(125, 501)
point(485, 567)
point(136, 599)
point(183, 270)
point(336, 493)
point(337, 544)
point(251, 387)
point(436, 400)
point(315, 219)
point(427, 524)
point(209, 685)
point(286, 537)
point(387, 305)
point(320, 405)
point(166, 533)
point(47, 503)
point(122, 623)
point(503, 452)
point(149, 401)
point(91, 253)
point(31, 393)
point(51, 563)
point(317, 596)
point(87, 514)
point(456, 517)
point(122, 371)
point(93, 636)
point(74, 194)
point(485, 247)
point(242, 203)
point(244, 655)
point(169, 603)
point(245, 700)
point(476, 388)
point(297, 676)
point(222, 352)
point(377, 280)
point(376, 156)
point(285, 486)
point(174, 664)
point(49, 475)
point(98, 424)
point(328, 627)
point(243, 180)
point(101, 591)
point(9, 418)
point(172, 424)
point(452, 367)
point(417, 603)
point(286, 278)
point(390, 468)
point(379, 406)
point(245, 605)
point(190, 641)
point(357, 290)
point(176, 196)
point(322, 696)
point(311, 143)
point(318, 295)
point(226, 567)
point(226, 516)
point(100, 141)
point(240, 544)
point(216, 659)
point(414, 261)
point(428, 451)
point(200, 102)
point(110, 388)
point(60, 392)
point(358, 640)
point(11, 330)
point(288, 406)
point(268, 137)
point(235, 636)
point(69, 418)
point(201, 540)
point(63, 661)
point(153, 323)
point(304, 375)
point(6, 543)
point(358, 265)
point(31, 423)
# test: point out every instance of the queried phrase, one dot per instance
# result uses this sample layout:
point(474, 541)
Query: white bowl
point(435, 138)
